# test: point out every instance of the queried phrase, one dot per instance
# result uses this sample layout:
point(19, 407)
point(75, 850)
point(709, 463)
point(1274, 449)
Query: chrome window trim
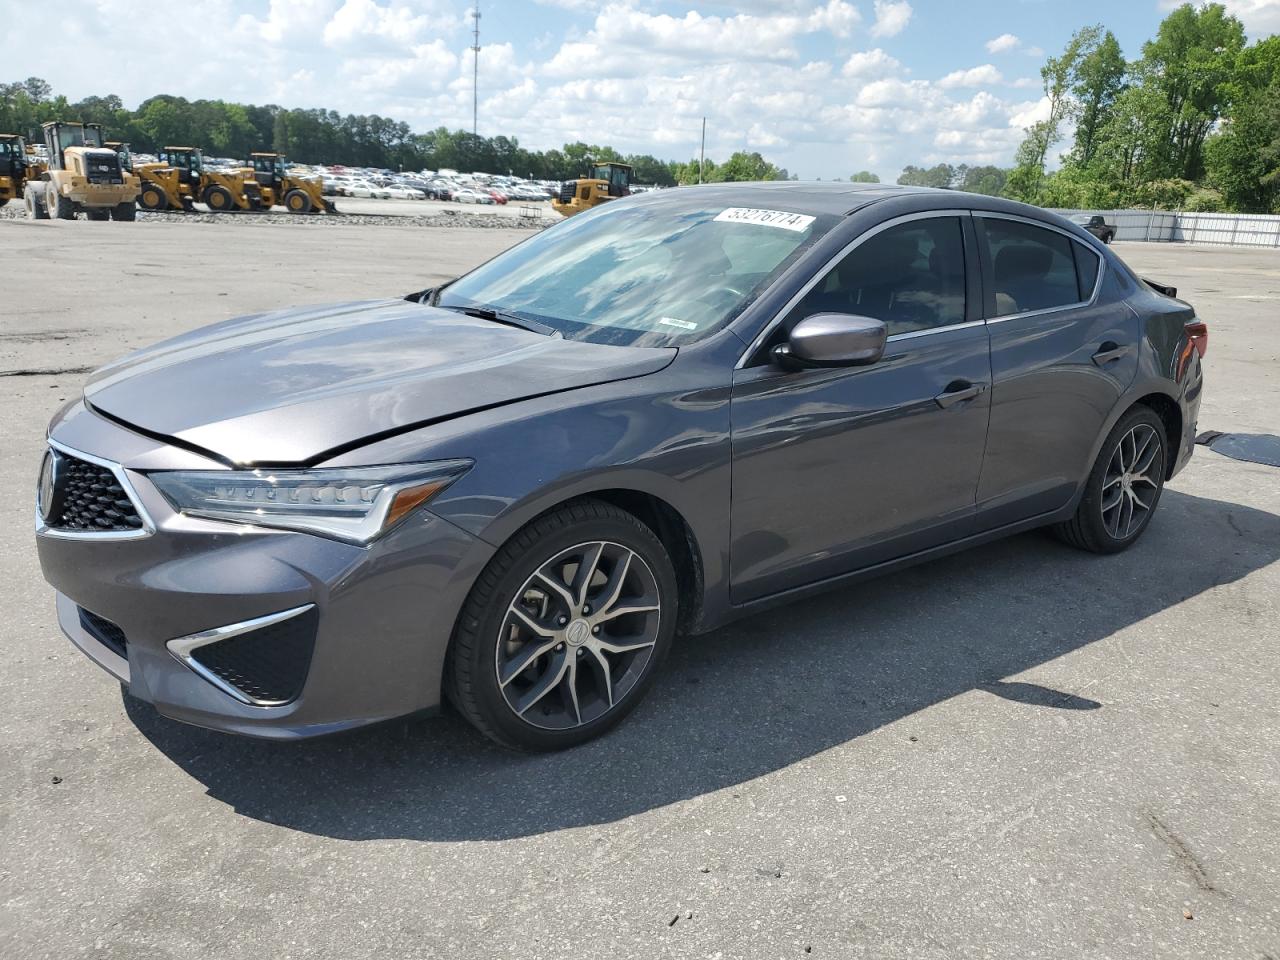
point(912, 334)
point(1097, 283)
point(821, 273)
point(148, 525)
point(182, 648)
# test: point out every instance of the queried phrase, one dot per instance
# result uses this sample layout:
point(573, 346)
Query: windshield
point(642, 274)
point(70, 136)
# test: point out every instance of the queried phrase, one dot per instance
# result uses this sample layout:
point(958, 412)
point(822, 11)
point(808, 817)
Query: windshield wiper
point(509, 319)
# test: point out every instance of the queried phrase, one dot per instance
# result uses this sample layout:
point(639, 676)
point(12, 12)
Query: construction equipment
point(179, 177)
point(81, 176)
point(13, 166)
point(606, 181)
point(280, 188)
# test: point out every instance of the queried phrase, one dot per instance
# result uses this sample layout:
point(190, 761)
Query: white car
point(363, 188)
point(467, 195)
point(405, 193)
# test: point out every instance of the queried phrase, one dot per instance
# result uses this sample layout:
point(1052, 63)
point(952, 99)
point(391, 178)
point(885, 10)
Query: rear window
point(1087, 262)
point(1032, 268)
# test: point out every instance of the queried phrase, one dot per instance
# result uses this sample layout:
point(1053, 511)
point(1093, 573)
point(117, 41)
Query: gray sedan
point(516, 490)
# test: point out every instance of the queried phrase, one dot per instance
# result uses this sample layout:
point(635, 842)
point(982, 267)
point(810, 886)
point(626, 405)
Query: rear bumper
point(384, 613)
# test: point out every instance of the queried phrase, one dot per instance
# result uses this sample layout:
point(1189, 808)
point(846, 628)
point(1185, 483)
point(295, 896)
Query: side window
point(910, 276)
point(1086, 269)
point(1032, 268)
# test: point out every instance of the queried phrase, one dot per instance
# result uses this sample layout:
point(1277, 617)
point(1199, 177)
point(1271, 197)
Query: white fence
point(1163, 226)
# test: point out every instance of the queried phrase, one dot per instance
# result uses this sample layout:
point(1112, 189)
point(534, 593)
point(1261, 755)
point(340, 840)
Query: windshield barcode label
point(797, 222)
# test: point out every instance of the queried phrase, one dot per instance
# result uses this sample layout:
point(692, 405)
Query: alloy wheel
point(1131, 483)
point(578, 635)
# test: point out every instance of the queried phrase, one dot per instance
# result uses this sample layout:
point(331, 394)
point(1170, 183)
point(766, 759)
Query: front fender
point(665, 435)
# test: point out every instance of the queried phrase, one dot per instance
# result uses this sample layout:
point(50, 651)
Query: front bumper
point(384, 613)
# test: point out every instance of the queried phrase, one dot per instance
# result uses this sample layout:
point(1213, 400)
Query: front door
point(839, 469)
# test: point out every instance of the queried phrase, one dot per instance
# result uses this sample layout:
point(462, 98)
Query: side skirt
point(892, 566)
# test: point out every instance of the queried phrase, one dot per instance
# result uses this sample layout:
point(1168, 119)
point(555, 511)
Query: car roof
point(805, 197)
point(840, 199)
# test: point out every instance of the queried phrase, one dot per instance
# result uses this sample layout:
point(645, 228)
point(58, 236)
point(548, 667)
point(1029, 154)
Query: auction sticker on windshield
point(797, 222)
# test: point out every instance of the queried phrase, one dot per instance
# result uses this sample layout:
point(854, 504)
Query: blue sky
point(822, 87)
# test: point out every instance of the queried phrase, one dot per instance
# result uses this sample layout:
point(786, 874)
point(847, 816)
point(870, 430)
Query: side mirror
point(833, 340)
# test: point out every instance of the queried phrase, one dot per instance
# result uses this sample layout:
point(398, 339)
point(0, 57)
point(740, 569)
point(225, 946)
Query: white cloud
point(1030, 113)
point(364, 22)
point(870, 63)
point(1261, 18)
point(1003, 43)
point(625, 41)
point(288, 22)
point(982, 76)
point(891, 18)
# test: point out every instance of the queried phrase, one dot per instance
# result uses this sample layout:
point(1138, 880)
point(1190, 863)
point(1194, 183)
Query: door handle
point(958, 391)
point(1109, 351)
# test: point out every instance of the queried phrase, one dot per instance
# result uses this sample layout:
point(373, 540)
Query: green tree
point(1099, 79)
point(1058, 76)
point(744, 166)
point(942, 176)
point(986, 180)
point(1191, 63)
point(864, 176)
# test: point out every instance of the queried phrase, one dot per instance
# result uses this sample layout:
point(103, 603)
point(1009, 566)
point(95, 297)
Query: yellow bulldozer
point(605, 181)
point(178, 178)
point(81, 176)
point(281, 188)
point(13, 166)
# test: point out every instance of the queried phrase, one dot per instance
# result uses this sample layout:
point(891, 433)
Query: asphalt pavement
point(1019, 751)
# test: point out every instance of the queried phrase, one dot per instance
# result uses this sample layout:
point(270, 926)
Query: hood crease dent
point(297, 387)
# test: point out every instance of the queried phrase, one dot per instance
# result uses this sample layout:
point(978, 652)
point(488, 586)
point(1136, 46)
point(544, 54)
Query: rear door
point(838, 469)
point(1061, 356)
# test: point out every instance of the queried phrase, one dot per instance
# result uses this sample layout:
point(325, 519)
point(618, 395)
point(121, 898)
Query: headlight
point(356, 504)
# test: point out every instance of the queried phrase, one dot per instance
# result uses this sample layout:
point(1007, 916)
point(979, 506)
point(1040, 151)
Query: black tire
point(3, 201)
point(1088, 529)
point(218, 199)
point(152, 198)
point(297, 201)
point(34, 200)
point(59, 207)
point(471, 671)
point(98, 215)
point(126, 211)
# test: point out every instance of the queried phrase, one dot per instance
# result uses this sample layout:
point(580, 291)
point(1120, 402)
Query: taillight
point(1198, 334)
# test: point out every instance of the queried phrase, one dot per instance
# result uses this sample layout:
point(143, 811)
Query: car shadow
point(748, 699)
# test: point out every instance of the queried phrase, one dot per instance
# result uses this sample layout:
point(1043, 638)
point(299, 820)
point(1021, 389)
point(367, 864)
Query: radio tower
point(475, 71)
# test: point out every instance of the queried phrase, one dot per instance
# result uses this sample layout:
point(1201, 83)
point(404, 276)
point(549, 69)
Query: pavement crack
point(1181, 852)
point(1234, 526)
point(44, 371)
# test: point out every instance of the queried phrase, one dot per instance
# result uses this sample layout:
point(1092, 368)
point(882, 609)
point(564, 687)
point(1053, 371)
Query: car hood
point(298, 386)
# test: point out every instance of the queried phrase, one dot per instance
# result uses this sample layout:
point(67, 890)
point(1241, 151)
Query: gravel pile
point(470, 221)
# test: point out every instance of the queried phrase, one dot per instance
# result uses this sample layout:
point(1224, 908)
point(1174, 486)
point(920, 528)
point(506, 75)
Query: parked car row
point(433, 185)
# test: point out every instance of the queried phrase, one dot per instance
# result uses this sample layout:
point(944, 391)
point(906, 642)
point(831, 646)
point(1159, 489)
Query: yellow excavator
point(13, 166)
point(281, 188)
point(178, 178)
point(604, 182)
point(81, 176)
